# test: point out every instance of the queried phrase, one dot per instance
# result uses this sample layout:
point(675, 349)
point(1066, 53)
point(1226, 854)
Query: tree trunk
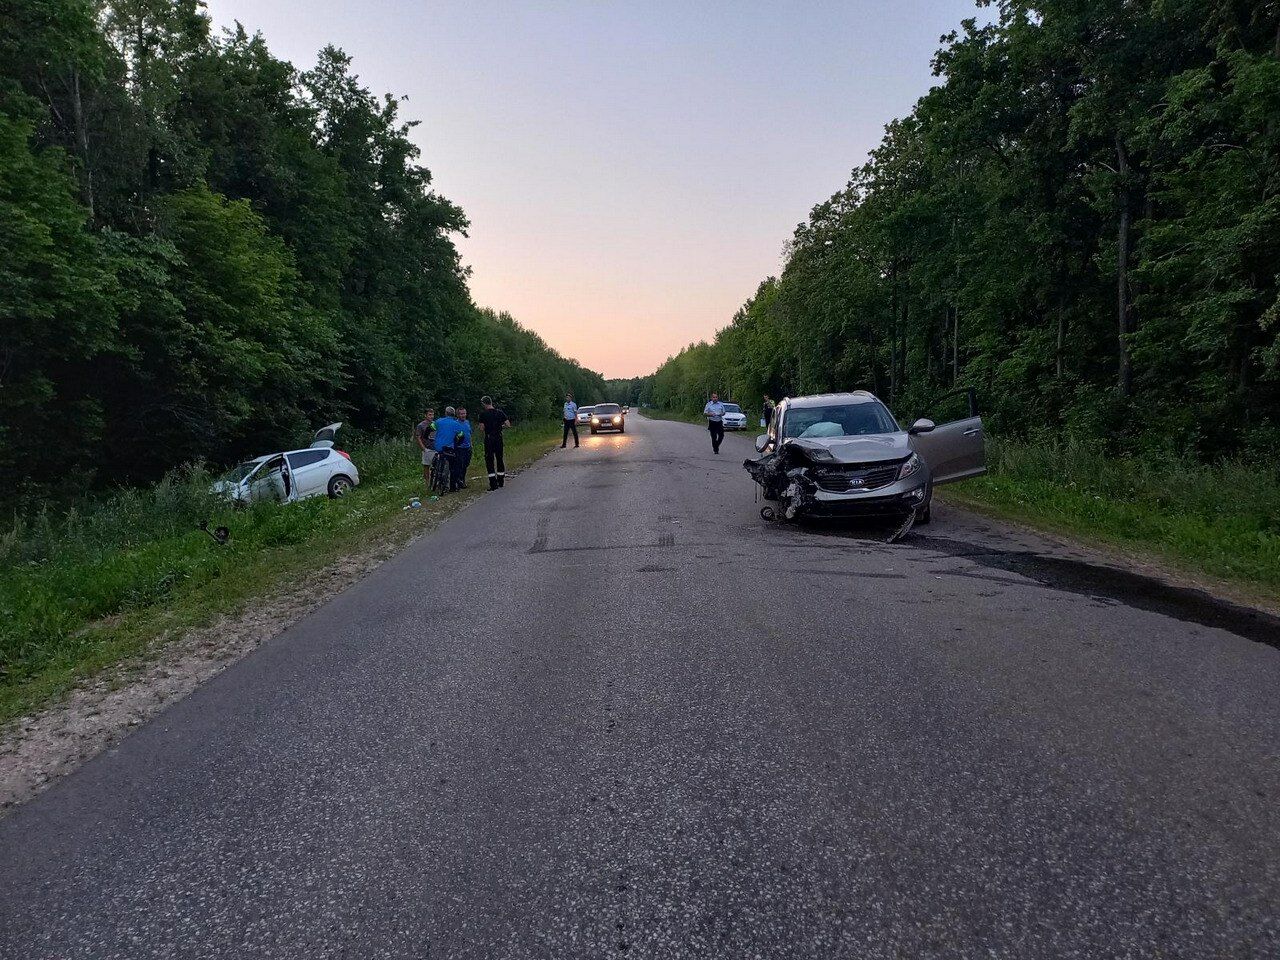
point(955, 345)
point(1062, 341)
point(902, 343)
point(893, 339)
point(1123, 318)
point(82, 142)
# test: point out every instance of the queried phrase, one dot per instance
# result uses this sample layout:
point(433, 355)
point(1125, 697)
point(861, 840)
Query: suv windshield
point(605, 409)
point(838, 420)
point(732, 408)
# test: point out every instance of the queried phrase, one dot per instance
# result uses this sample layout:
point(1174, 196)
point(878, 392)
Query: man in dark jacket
point(493, 421)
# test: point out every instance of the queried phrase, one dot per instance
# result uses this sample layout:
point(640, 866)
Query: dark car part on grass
point(220, 535)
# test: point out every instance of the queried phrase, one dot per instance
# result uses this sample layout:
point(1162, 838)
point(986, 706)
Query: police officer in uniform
point(570, 421)
point(714, 412)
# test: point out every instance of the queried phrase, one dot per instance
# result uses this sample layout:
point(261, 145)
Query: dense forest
point(207, 252)
point(1081, 220)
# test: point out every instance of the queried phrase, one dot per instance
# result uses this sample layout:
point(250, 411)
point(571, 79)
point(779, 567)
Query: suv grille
point(853, 477)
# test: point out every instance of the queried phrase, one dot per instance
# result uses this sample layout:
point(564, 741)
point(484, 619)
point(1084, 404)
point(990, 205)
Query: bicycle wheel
point(440, 474)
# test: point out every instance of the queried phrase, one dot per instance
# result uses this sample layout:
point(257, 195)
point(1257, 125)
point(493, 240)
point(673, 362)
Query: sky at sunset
point(631, 171)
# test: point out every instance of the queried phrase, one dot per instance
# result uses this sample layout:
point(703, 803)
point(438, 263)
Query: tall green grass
point(1219, 519)
point(82, 588)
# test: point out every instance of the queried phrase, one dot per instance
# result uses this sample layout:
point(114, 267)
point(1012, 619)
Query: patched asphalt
point(610, 712)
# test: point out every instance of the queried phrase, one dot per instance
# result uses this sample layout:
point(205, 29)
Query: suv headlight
point(912, 464)
point(617, 419)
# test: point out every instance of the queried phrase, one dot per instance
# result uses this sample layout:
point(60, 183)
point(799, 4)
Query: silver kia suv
point(844, 455)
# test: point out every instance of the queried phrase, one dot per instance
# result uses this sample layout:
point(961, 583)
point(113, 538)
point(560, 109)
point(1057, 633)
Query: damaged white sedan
point(844, 455)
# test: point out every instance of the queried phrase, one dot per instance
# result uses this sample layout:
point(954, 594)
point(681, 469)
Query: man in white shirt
point(570, 421)
point(714, 411)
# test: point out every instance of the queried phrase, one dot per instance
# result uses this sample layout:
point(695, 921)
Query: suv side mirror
point(921, 426)
point(762, 443)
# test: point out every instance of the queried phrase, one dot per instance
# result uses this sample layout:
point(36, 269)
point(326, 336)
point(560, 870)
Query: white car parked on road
point(734, 418)
point(584, 415)
point(318, 470)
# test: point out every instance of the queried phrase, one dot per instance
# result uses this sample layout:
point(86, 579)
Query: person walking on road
point(714, 412)
point(464, 446)
point(570, 421)
point(493, 421)
point(425, 434)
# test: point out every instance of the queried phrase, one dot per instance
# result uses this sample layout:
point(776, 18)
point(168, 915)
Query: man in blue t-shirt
point(447, 429)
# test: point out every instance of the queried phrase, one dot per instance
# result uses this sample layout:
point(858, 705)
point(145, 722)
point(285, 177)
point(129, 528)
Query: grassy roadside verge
point(85, 591)
point(1220, 521)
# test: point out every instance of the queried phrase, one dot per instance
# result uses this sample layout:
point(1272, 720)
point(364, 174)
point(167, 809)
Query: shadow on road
point(1108, 584)
point(1116, 585)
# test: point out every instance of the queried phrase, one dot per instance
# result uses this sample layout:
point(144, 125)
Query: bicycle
point(441, 473)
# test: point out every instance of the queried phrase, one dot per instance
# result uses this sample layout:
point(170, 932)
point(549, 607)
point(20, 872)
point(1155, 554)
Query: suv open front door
point(955, 450)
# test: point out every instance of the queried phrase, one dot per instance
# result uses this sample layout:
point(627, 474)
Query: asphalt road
point(609, 712)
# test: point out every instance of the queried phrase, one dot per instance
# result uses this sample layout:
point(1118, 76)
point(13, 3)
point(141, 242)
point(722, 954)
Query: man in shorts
point(425, 434)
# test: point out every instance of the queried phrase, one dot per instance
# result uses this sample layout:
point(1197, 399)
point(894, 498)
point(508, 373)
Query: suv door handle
point(973, 431)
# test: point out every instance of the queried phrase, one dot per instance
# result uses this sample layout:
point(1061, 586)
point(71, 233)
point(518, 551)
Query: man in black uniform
point(494, 421)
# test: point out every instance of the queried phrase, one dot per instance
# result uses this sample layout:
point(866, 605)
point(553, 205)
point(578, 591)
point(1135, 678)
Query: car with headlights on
point(844, 455)
point(734, 418)
point(318, 470)
point(608, 416)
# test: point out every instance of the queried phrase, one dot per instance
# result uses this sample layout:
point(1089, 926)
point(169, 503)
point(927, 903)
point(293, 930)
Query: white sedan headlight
point(913, 463)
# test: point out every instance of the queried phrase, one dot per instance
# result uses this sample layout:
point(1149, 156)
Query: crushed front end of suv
point(844, 455)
